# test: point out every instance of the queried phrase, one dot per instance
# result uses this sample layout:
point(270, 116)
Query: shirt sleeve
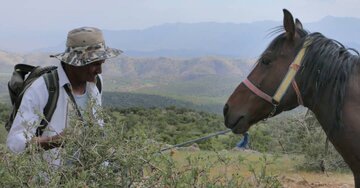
point(28, 116)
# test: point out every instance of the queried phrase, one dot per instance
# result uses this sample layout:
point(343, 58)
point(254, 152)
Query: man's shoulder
point(39, 83)
point(38, 86)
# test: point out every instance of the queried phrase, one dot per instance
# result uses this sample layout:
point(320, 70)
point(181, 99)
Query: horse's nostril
point(226, 109)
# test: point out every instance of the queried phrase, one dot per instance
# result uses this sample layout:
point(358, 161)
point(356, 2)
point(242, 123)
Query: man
point(80, 65)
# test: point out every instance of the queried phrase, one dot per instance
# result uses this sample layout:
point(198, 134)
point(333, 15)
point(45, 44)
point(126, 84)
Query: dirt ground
point(314, 180)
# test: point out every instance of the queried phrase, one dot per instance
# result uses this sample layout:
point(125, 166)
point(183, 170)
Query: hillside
point(204, 81)
point(134, 135)
point(166, 67)
point(142, 67)
point(199, 80)
point(9, 59)
point(123, 100)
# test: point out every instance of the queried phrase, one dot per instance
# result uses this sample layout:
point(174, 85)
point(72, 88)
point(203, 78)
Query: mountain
point(9, 59)
point(202, 80)
point(167, 67)
point(200, 83)
point(245, 40)
point(242, 40)
point(201, 63)
point(199, 39)
point(345, 30)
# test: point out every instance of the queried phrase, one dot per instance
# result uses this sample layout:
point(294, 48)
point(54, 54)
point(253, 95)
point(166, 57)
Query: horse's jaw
point(238, 124)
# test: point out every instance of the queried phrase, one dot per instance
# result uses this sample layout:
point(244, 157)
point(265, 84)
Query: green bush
point(290, 134)
point(321, 155)
point(4, 114)
point(118, 155)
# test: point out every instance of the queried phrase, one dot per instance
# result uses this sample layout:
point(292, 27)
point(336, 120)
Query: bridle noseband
point(285, 84)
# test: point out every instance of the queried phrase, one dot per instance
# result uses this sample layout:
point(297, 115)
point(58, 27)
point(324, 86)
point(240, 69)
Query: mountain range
point(244, 40)
point(201, 63)
point(202, 80)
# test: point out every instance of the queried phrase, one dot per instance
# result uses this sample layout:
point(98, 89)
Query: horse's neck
point(324, 114)
point(320, 106)
point(325, 110)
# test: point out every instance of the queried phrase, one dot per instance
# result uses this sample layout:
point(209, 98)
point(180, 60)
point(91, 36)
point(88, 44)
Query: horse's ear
point(298, 24)
point(289, 24)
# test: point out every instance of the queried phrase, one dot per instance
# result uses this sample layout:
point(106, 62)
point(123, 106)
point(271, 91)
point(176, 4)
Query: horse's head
point(248, 105)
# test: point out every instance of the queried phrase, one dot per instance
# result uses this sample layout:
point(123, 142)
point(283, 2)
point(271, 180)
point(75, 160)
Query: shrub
point(117, 156)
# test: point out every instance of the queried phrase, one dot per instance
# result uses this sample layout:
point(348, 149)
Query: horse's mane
point(328, 64)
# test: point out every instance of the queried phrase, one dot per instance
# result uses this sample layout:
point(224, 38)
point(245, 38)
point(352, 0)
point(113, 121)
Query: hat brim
point(80, 59)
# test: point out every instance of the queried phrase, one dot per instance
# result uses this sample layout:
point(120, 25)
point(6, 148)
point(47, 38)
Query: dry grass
point(282, 167)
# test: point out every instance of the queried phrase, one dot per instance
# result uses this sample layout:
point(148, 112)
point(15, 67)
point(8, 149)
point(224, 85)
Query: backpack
point(22, 78)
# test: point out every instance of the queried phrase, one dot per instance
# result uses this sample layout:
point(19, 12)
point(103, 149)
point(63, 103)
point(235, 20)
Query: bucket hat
point(85, 45)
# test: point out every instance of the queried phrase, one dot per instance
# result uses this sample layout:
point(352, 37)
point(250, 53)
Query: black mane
point(328, 64)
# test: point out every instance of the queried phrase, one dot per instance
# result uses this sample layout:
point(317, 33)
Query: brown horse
point(325, 78)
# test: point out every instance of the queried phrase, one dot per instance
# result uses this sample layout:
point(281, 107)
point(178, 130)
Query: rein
point(285, 84)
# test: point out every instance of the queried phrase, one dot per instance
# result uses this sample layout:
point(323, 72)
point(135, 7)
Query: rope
point(196, 140)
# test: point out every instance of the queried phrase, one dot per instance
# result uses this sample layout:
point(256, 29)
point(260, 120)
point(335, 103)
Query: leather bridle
point(285, 84)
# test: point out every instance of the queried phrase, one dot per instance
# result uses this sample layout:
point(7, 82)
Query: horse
point(308, 69)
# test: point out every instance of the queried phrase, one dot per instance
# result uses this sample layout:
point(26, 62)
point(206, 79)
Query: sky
point(50, 15)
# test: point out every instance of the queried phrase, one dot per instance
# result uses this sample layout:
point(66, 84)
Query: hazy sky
point(34, 24)
point(138, 14)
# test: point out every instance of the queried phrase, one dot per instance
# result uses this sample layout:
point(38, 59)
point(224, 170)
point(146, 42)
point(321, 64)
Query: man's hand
point(49, 142)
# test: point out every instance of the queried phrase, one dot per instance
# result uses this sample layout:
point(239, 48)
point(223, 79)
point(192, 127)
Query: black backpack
point(22, 78)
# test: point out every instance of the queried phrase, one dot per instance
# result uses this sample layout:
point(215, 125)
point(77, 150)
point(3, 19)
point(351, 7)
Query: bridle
point(285, 84)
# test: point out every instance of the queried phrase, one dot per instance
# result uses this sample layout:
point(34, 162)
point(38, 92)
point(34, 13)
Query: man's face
point(88, 72)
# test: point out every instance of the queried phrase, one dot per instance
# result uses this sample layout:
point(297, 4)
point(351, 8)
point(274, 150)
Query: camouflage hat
point(86, 45)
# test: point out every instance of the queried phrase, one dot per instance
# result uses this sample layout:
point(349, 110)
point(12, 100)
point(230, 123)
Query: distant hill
point(9, 59)
point(199, 81)
point(245, 40)
point(197, 39)
point(241, 40)
point(143, 67)
point(345, 30)
point(123, 100)
point(166, 67)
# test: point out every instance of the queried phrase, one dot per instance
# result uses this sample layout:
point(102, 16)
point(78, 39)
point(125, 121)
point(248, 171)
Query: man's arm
point(28, 119)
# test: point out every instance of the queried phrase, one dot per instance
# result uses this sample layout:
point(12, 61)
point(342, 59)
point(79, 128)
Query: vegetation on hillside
point(297, 135)
point(204, 81)
point(124, 100)
point(125, 153)
point(129, 155)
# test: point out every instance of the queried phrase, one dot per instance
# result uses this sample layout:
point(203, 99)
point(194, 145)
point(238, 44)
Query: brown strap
point(297, 91)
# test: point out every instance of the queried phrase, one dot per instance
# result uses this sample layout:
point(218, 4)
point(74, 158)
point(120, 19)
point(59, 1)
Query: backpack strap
point(52, 85)
point(98, 83)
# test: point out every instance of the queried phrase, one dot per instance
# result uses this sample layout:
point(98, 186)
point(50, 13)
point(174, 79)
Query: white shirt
point(30, 111)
